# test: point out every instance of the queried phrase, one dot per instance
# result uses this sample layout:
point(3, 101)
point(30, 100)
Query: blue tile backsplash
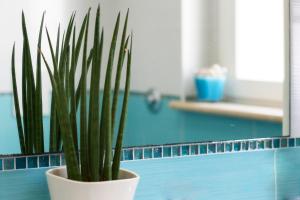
point(164, 127)
point(218, 170)
point(233, 169)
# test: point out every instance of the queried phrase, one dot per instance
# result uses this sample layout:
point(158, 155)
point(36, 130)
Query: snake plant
point(97, 120)
point(30, 124)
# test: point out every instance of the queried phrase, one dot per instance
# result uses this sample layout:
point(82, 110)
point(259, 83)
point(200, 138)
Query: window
point(259, 43)
point(253, 45)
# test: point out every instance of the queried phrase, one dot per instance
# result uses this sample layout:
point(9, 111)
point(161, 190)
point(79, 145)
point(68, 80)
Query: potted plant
point(93, 172)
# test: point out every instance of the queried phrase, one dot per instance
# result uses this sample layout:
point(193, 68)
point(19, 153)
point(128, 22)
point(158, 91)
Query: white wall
point(199, 39)
point(11, 31)
point(157, 38)
point(241, 90)
point(156, 26)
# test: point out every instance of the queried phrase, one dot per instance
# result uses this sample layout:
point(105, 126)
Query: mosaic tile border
point(8, 163)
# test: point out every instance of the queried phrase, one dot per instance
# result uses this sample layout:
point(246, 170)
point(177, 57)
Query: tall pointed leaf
point(118, 149)
point(30, 89)
point(65, 124)
point(122, 50)
point(17, 107)
point(94, 109)
point(105, 134)
point(72, 92)
point(38, 101)
point(83, 115)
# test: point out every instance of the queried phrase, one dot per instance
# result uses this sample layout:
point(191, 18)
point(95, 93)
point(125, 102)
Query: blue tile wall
point(24, 185)
point(153, 152)
point(32, 162)
point(201, 177)
point(259, 173)
point(206, 178)
point(167, 151)
point(9, 164)
point(138, 154)
point(54, 160)
point(194, 149)
point(21, 163)
point(288, 173)
point(147, 128)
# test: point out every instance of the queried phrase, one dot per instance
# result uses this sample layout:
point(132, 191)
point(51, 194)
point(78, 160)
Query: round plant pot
point(61, 188)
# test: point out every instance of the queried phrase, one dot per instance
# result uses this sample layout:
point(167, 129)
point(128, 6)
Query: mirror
point(203, 70)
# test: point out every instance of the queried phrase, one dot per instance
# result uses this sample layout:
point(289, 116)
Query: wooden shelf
point(231, 109)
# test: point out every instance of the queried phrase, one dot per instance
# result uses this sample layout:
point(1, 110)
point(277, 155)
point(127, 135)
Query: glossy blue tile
point(245, 145)
point(63, 161)
point(297, 142)
point(21, 163)
point(138, 154)
point(228, 147)
point(176, 151)
point(157, 151)
point(268, 144)
point(212, 148)
point(252, 145)
point(9, 163)
point(288, 174)
point(148, 153)
point(283, 142)
point(213, 171)
point(167, 151)
point(185, 150)
point(44, 161)
point(291, 142)
point(128, 154)
point(276, 143)
point(220, 147)
point(194, 149)
point(260, 145)
point(203, 149)
point(237, 176)
point(54, 160)
point(32, 162)
point(237, 146)
point(24, 185)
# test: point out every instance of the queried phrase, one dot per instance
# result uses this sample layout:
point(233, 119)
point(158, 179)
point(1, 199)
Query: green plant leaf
point(105, 132)
point(89, 62)
point(94, 107)
point(73, 168)
point(16, 102)
point(54, 126)
point(30, 89)
point(38, 100)
point(84, 143)
point(122, 52)
point(118, 148)
point(72, 92)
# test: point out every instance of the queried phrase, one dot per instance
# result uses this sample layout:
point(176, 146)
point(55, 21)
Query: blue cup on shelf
point(210, 88)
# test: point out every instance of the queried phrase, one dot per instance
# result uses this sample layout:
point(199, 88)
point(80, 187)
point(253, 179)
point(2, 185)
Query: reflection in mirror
point(205, 70)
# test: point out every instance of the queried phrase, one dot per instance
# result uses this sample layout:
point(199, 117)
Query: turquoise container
point(210, 88)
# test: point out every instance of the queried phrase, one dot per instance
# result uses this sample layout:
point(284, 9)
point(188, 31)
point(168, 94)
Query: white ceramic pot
point(62, 188)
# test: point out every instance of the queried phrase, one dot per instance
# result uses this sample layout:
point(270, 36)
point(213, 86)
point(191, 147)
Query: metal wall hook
point(153, 100)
